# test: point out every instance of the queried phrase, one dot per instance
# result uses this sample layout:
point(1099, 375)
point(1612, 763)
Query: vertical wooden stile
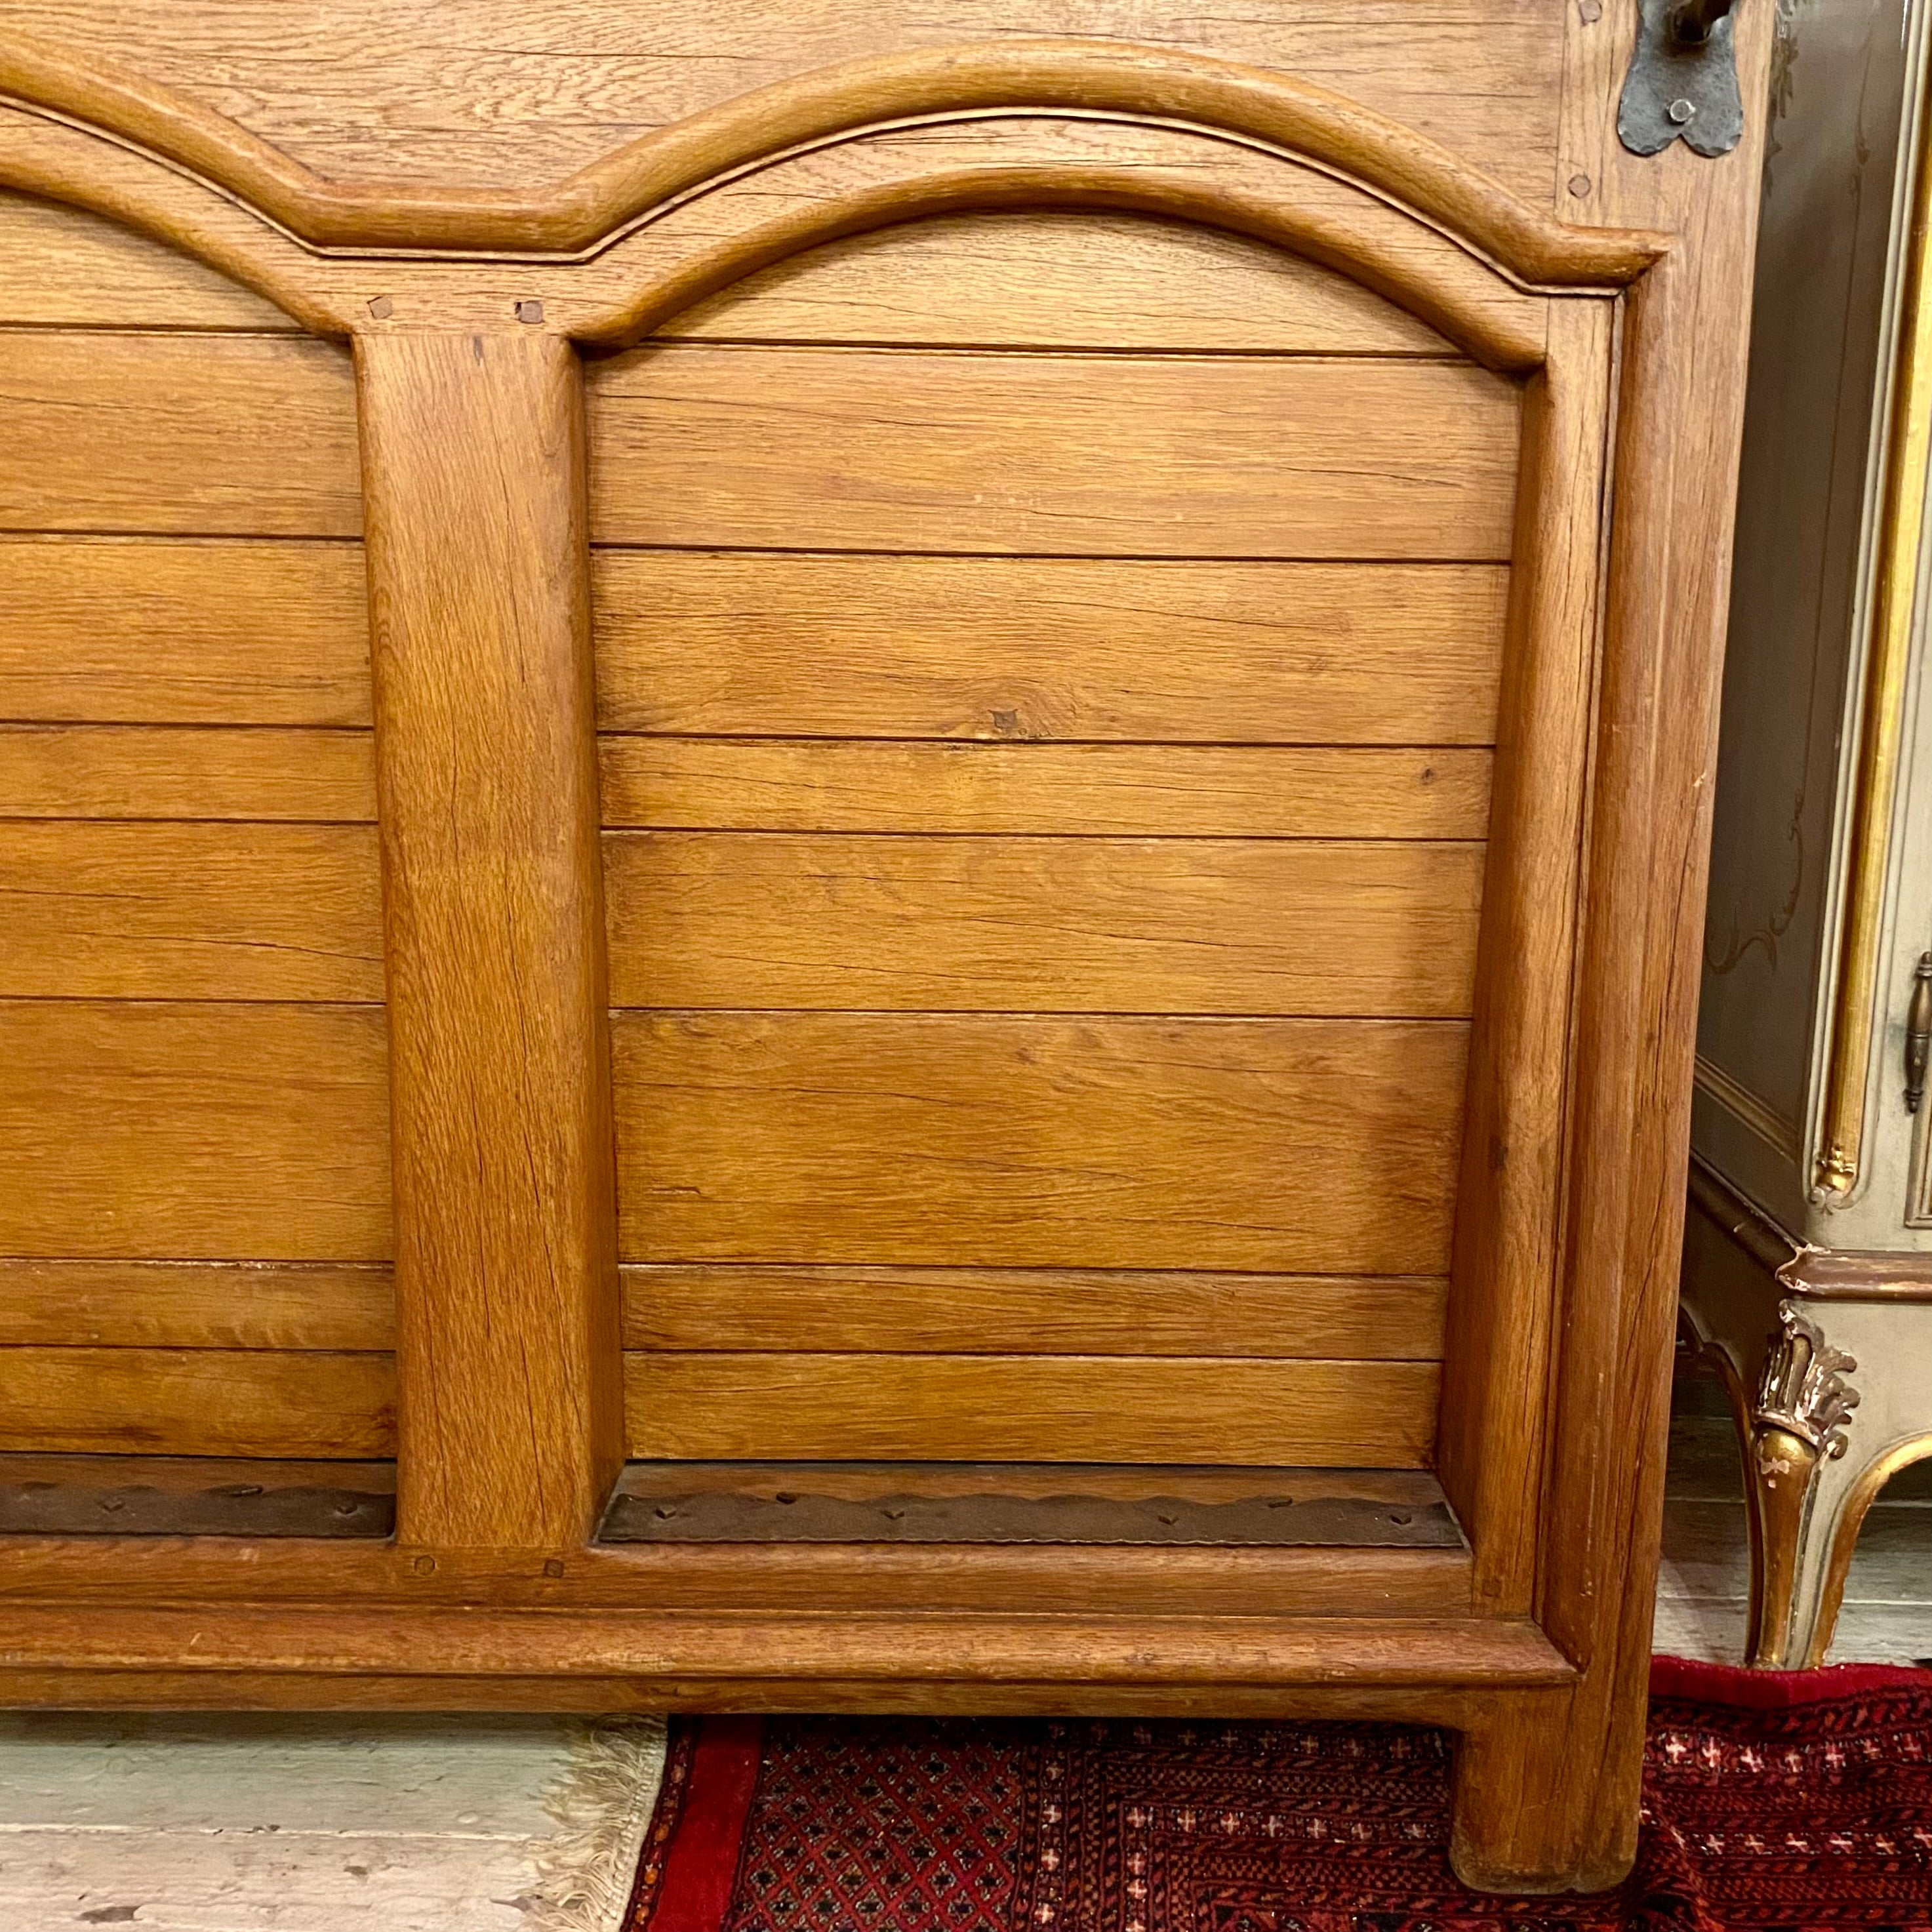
point(1496, 1370)
point(509, 1418)
point(1521, 1813)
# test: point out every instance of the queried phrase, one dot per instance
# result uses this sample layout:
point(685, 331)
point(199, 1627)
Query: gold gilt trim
point(1842, 1128)
point(1845, 1542)
point(1743, 1106)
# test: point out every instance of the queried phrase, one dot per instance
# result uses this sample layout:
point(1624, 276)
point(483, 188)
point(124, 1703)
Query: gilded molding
point(1875, 781)
point(1802, 1390)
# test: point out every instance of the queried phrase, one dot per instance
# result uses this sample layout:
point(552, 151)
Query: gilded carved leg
point(1800, 1482)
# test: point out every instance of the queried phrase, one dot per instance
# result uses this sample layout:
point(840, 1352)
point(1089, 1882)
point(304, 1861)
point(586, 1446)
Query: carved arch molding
point(614, 249)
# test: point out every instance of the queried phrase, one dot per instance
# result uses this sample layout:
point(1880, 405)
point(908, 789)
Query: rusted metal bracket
point(718, 1502)
point(1683, 79)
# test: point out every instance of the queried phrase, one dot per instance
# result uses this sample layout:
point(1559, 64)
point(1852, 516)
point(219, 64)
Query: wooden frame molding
point(580, 213)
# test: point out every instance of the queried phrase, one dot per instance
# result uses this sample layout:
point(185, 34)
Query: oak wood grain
point(214, 435)
point(163, 771)
point(771, 920)
point(1049, 278)
point(113, 910)
point(137, 1304)
point(995, 1140)
point(128, 629)
point(201, 1131)
point(64, 267)
point(1059, 1658)
point(1016, 1311)
point(1031, 1408)
point(1155, 791)
point(1507, 1230)
point(865, 1577)
point(482, 102)
point(196, 1402)
point(1219, 456)
point(1523, 1816)
point(506, 1286)
point(1030, 162)
point(1045, 277)
point(1029, 648)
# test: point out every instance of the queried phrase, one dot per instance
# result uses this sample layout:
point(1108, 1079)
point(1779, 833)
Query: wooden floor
point(1702, 1591)
point(244, 1824)
point(306, 1824)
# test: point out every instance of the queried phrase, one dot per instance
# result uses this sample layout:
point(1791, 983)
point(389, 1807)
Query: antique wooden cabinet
point(854, 854)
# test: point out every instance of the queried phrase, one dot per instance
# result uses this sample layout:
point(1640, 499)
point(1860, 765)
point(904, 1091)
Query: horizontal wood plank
point(931, 1311)
point(774, 920)
point(1048, 277)
point(1114, 456)
point(199, 1132)
point(133, 1304)
point(170, 911)
point(765, 784)
point(134, 771)
point(1042, 1311)
point(218, 435)
point(1025, 1408)
point(156, 631)
point(1032, 648)
point(196, 1403)
point(62, 266)
point(1297, 1145)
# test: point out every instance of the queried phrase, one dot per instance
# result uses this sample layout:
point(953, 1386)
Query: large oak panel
point(1048, 648)
point(996, 1140)
point(1116, 456)
point(771, 919)
point(137, 1128)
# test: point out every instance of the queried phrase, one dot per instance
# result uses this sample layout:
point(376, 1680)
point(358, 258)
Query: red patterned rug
point(1775, 1803)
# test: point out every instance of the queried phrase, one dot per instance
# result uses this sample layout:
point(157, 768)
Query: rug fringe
point(602, 1801)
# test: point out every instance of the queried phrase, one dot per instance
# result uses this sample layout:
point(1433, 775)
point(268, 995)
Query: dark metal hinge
point(1683, 79)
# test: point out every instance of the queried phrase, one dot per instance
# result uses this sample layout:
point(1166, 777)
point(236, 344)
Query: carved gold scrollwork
point(1802, 1390)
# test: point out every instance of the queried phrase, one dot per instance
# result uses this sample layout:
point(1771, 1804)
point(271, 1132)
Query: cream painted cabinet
point(1808, 1257)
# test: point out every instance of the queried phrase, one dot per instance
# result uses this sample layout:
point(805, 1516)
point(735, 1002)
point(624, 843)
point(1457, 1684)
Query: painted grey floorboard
point(236, 1822)
point(1703, 1590)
